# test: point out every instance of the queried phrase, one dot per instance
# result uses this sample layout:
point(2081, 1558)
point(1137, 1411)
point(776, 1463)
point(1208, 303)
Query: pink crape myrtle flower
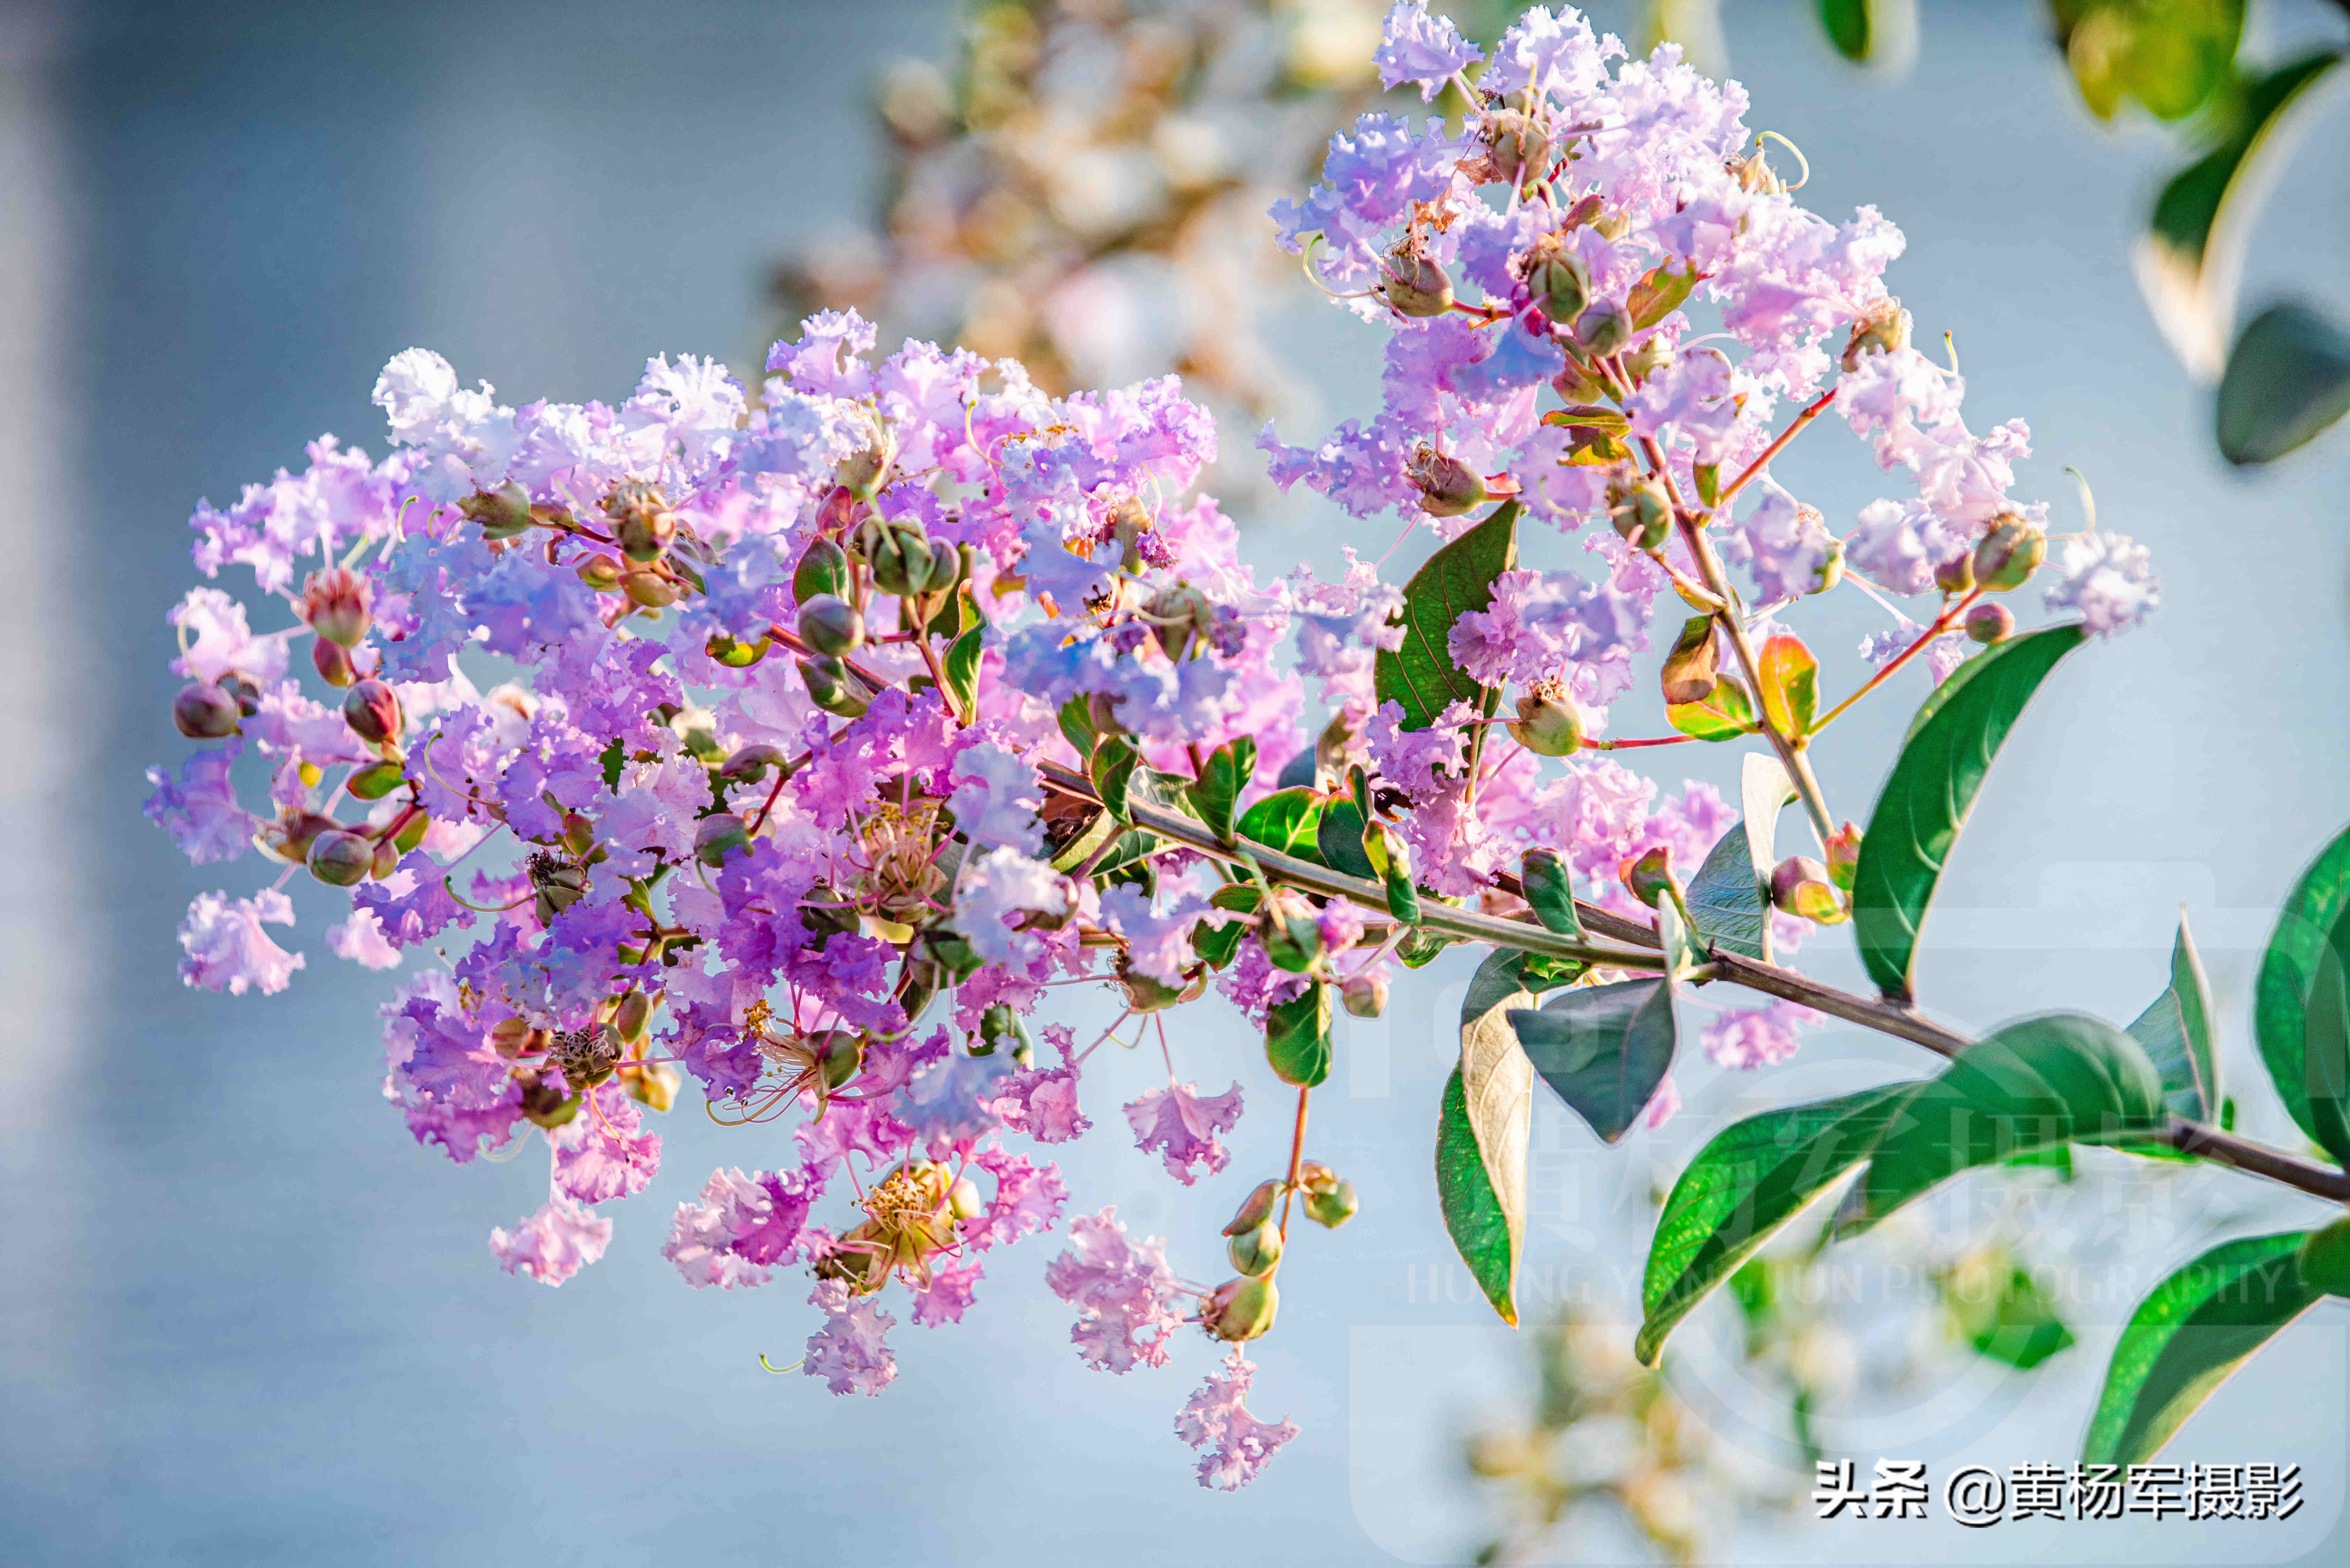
point(1184, 1123)
point(1234, 1446)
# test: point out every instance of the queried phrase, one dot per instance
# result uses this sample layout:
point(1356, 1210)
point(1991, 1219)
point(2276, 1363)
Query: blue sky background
point(244, 1319)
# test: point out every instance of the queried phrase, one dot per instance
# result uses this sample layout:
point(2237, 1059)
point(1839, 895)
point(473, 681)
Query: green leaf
point(1754, 1176)
point(2020, 1326)
point(1339, 834)
point(1111, 770)
point(2061, 1078)
point(1480, 1145)
point(962, 668)
point(1077, 726)
point(1285, 820)
point(1297, 1037)
point(2325, 1259)
point(2171, 55)
point(1660, 293)
point(1730, 898)
point(1218, 944)
point(1418, 949)
point(1225, 772)
point(1791, 684)
point(1550, 893)
point(1421, 674)
point(1932, 787)
point(1850, 27)
point(2192, 1331)
point(1603, 1049)
point(2301, 1007)
point(2200, 229)
point(2288, 379)
point(2176, 1033)
point(1486, 1232)
point(1725, 715)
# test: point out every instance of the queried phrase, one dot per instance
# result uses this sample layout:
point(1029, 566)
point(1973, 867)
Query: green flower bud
point(578, 833)
point(1291, 935)
point(1549, 721)
point(823, 569)
point(1364, 995)
point(1649, 359)
point(1517, 147)
point(1559, 282)
point(863, 471)
point(1333, 1208)
point(1604, 328)
point(372, 709)
point(1694, 664)
point(386, 861)
point(202, 711)
point(963, 1199)
point(946, 567)
point(1830, 571)
point(1254, 1209)
point(1801, 886)
point(333, 662)
point(1240, 1309)
point(630, 1018)
point(2009, 553)
point(1881, 327)
point(649, 589)
point(1844, 855)
point(652, 1085)
point(1255, 1252)
point(830, 624)
point(749, 763)
point(900, 556)
point(600, 573)
point(1989, 622)
point(411, 835)
point(1641, 512)
point(1956, 575)
point(1648, 877)
point(1447, 486)
point(645, 531)
point(832, 688)
point(736, 654)
point(336, 605)
point(840, 1055)
point(341, 858)
point(503, 513)
point(1416, 286)
point(715, 834)
point(374, 781)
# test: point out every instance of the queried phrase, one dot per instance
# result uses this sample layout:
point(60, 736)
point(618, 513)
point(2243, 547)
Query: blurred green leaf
point(2288, 379)
point(2192, 253)
point(2017, 1325)
point(2192, 1331)
point(2171, 55)
point(1871, 32)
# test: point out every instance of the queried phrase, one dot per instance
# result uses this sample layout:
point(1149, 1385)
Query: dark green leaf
point(2325, 1259)
point(1729, 898)
point(1932, 787)
point(610, 761)
point(2171, 55)
point(1550, 893)
point(1077, 726)
point(1419, 950)
point(1421, 674)
point(1339, 836)
point(1754, 1176)
point(1485, 1233)
point(1217, 944)
point(2301, 1009)
point(1297, 1037)
point(1112, 770)
point(2065, 1077)
point(2018, 1325)
point(2176, 1033)
point(2186, 1336)
point(1848, 23)
point(2288, 379)
point(1226, 771)
point(1603, 1049)
point(1299, 771)
point(962, 668)
point(1285, 820)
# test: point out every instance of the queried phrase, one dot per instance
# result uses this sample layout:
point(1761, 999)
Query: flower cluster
point(802, 740)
